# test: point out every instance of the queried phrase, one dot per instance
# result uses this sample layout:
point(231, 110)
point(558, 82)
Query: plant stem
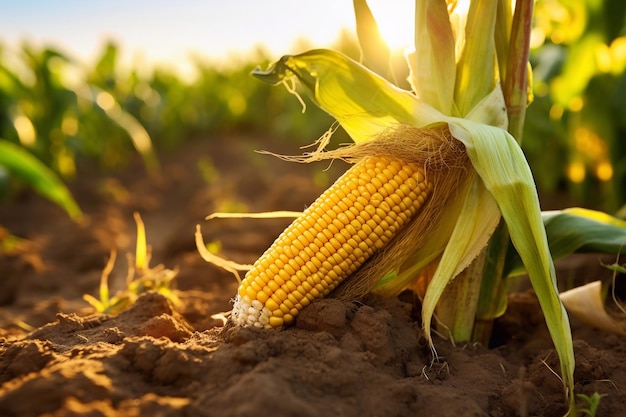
point(492, 298)
point(515, 82)
point(479, 294)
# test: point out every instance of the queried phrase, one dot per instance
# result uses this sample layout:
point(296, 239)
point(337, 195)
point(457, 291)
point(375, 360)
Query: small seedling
point(592, 401)
point(141, 278)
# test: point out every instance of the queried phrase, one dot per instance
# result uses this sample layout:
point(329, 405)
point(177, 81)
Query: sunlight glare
point(395, 21)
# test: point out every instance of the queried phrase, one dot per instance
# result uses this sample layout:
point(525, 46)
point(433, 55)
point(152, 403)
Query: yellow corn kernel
point(331, 240)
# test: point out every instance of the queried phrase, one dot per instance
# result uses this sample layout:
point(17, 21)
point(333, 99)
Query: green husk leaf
point(502, 32)
point(477, 65)
point(501, 164)
point(576, 230)
point(364, 103)
point(476, 221)
point(434, 49)
point(33, 172)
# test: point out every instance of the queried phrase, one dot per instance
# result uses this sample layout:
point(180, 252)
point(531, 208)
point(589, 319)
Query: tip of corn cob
point(247, 312)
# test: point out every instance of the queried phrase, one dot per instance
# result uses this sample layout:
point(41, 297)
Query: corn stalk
point(482, 290)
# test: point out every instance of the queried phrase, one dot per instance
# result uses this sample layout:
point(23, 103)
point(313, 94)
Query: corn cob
point(355, 217)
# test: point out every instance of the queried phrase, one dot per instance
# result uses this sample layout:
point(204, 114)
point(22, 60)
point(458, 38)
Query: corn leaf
point(501, 164)
point(41, 178)
point(138, 134)
point(576, 230)
point(364, 103)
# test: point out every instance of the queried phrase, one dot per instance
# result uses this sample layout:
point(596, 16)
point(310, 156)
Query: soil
point(59, 358)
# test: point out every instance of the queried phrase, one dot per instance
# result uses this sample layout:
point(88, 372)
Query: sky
point(168, 32)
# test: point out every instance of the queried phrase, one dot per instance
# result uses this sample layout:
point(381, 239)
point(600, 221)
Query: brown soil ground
point(366, 358)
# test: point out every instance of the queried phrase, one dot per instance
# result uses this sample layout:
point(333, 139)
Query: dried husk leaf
point(586, 303)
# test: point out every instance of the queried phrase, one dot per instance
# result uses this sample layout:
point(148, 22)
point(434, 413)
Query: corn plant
point(441, 198)
point(592, 401)
point(141, 278)
point(64, 113)
point(468, 74)
point(46, 121)
point(58, 117)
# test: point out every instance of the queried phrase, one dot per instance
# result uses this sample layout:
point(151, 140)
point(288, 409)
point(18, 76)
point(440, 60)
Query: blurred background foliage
point(575, 136)
point(69, 115)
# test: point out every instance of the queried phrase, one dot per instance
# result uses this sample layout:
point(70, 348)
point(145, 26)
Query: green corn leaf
point(138, 135)
point(501, 164)
point(33, 172)
point(576, 230)
point(364, 103)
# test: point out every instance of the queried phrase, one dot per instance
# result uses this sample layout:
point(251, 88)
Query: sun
point(395, 20)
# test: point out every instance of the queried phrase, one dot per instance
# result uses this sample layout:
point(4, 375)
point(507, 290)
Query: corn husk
point(586, 303)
